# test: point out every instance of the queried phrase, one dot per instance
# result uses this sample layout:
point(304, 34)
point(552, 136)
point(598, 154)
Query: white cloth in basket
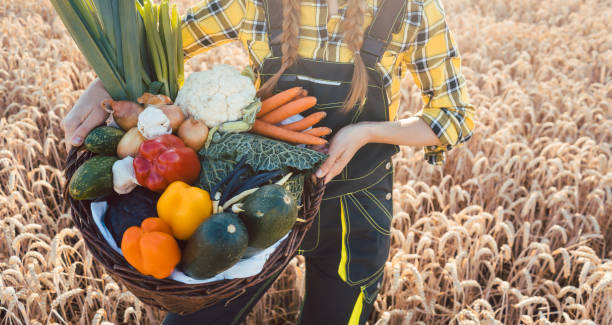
point(245, 268)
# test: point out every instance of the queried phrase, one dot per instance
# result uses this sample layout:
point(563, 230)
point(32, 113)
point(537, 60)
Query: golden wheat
point(515, 228)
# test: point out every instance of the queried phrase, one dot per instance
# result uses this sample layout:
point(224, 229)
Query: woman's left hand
point(342, 148)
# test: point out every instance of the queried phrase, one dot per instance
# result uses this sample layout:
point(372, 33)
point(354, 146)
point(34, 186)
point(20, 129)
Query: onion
point(175, 115)
point(193, 133)
point(129, 143)
point(125, 113)
point(150, 99)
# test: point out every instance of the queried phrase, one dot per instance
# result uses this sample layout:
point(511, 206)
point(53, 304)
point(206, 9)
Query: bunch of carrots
point(286, 104)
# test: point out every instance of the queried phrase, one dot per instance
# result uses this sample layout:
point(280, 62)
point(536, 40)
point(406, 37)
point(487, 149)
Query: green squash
point(93, 179)
point(269, 214)
point(103, 140)
point(216, 245)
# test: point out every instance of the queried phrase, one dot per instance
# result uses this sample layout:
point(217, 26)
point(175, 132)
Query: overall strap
point(274, 21)
point(378, 35)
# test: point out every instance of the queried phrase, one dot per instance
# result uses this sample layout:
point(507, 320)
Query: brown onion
point(150, 99)
point(175, 115)
point(125, 113)
point(129, 143)
point(193, 133)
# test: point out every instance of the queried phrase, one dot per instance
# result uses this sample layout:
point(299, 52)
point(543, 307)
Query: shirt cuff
point(434, 155)
point(435, 158)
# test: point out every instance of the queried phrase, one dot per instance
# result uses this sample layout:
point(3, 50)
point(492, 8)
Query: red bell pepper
point(163, 160)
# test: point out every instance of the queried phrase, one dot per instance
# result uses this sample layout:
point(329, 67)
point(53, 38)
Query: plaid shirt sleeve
point(211, 23)
point(435, 64)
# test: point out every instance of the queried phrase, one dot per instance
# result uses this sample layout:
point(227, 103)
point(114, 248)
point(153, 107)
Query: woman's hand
point(342, 148)
point(85, 115)
point(412, 131)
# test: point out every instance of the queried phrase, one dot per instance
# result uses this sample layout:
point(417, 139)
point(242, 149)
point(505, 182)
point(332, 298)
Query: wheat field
point(514, 229)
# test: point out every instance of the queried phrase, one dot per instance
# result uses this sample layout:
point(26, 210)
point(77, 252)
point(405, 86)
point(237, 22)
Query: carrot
point(276, 132)
point(306, 122)
point(289, 109)
point(318, 132)
point(278, 100)
point(303, 94)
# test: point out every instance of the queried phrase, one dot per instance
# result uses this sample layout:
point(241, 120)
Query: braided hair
point(352, 25)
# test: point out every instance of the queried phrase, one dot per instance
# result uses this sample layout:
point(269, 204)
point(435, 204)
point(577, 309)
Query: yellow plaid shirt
point(422, 43)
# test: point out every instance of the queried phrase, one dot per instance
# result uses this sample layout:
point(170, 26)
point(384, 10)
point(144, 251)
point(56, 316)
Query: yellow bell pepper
point(184, 208)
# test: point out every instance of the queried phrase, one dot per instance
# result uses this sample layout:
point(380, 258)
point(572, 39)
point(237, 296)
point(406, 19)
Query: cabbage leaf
point(262, 154)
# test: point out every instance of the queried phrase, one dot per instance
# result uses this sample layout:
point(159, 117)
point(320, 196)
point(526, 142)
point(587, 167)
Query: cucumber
point(93, 179)
point(103, 140)
point(269, 214)
point(216, 245)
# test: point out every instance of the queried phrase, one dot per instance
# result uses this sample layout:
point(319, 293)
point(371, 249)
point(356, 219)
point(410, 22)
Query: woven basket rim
point(172, 295)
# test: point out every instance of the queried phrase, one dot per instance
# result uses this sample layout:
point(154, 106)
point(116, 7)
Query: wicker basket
point(176, 296)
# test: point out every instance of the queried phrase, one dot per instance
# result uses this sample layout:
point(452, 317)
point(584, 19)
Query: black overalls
point(348, 244)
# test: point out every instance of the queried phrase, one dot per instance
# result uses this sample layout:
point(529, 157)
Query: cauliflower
point(152, 122)
point(124, 176)
point(216, 96)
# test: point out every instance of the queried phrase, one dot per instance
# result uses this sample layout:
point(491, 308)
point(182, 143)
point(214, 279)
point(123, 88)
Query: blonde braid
point(289, 46)
point(353, 37)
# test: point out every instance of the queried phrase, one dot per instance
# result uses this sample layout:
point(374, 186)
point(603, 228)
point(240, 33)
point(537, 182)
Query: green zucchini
point(103, 140)
point(93, 179)
point(216, 245)
point(269, 214)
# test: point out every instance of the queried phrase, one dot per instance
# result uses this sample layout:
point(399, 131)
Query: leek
point(118, 42)
point(108, 74)
point(130, 43)
point(133, 45)
point(169, 44)
point(163, 28)
point(105, 10)
point(178, 35)
point(160, 49)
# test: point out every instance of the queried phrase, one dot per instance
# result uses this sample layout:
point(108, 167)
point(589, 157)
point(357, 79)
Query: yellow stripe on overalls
point(356, 314)
point(357, 309)
point(343, 253)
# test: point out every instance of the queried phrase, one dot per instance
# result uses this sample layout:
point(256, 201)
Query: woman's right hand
point(85, 115)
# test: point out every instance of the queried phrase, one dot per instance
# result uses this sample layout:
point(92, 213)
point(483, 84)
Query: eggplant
point(257, 181)
point(227, 177)
point(129, 210)
point(232, 184)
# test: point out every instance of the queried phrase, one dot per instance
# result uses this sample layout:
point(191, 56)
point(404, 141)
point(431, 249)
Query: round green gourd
point(103, 140)
point(269, 214)
point(216, 245)
point(93, 179)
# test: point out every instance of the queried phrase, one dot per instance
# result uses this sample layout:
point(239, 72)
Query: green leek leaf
point(160, 49)
point(178, 35)
point(155, 87)
point(150, 30)
point(105, 10)
point(130, 40)
point(170, 46)
point(108, 75)
point(118, 37)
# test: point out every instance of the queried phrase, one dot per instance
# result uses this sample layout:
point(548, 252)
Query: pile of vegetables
point(188, 182)
point(199, 183)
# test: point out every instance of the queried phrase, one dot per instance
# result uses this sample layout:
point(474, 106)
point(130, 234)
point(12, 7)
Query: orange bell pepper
point(150, 248)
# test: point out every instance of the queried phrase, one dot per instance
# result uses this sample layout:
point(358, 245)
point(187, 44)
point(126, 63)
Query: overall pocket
point(366, 222)
point(371, 289)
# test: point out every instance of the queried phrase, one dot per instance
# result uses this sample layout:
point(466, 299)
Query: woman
point(351, 55)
